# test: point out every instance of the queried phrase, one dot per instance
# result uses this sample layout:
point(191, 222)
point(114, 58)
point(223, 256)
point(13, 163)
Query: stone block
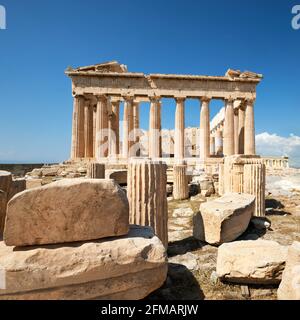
point(224, 219)
point(251, 262)
point(66, 211)
point(114, 268)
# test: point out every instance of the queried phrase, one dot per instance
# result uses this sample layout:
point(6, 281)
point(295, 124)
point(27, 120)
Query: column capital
point(249, 101)
point(154, 99)
point(229, 100)
point(78, 96)
point(128, 98)
point(101, 98)
point(179, 99)
point(205, 99)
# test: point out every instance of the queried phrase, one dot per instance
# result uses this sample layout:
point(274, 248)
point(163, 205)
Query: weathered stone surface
point(289, 288)
point(115, 268)
point(120, 176)
point(251, 262)
point(224, 219)
point(147, 196)
point(33, 183)
point(66, 211)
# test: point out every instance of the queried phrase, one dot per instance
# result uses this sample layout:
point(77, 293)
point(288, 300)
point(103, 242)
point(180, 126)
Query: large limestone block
point(120, 176)
point(289, 288)
point(114, 268)
point(224, 219)
point(251, 262)
point(66, 211)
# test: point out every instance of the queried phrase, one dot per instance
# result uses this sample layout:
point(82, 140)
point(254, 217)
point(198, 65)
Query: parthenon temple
point(99, 90)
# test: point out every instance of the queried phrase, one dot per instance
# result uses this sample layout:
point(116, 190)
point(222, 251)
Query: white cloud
point(273, 145)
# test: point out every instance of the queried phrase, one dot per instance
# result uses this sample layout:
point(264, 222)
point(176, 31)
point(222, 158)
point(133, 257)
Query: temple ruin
point(98, 91)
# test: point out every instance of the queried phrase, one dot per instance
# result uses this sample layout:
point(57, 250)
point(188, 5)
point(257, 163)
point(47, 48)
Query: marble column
point(219, 142)
point(181, 181)
point(128, 127)
point(241, 129)
point(94, 129)
point(249, 128)
point(212, 145)
point(236, 130)
point(147, 197)
point(179, 129)
point(78, 147)
point(101, 128)
point(229, 129)
point(136, 127)
point(114, 132)
point(204, 129)
point(154, 128)
point(88, 129)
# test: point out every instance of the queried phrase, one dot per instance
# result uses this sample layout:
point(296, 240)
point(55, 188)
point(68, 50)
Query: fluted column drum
point(146, 191)
point(255, 184)
point(181, 183)
point(96, 170)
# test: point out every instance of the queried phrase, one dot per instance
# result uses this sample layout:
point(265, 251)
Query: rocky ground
point(192, 264)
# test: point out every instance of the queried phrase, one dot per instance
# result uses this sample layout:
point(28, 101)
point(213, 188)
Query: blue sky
point(44, 37)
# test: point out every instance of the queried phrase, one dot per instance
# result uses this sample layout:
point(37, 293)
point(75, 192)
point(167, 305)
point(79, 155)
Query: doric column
point(88, 129)
point(249, 128)
point(179, 129)
point(78, 148)
point(136, 127)
point(128, 133)
point(212, 145)
point(154, 128)
point(114, 135)
point(146, 191)
point(101, 128)
point(94, 129)
point(255, 184)
point(229, 129)
point(219, 142)
point(181, 183)
point(236, 130)
point(204, 129)
point(241, 129)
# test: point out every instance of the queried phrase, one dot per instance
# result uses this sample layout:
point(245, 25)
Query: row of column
point(237, 134)
point(96, 129)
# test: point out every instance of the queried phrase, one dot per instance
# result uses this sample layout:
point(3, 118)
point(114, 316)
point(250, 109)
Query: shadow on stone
point(180, 285)
point(274, 204)
point(277, 213)
point(183, 246)
point(252, 233)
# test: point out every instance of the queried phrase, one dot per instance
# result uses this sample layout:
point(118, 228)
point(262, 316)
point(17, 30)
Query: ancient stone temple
point(98, 91)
